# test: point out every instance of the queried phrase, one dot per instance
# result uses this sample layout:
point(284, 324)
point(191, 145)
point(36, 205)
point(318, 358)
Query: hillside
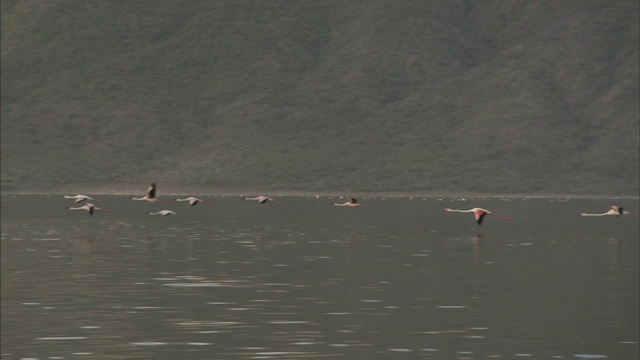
point(482, 96)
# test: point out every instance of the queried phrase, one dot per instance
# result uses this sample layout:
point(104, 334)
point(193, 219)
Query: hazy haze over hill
point(485, 96)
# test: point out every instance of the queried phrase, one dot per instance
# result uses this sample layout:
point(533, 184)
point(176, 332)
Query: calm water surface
point(241, 280)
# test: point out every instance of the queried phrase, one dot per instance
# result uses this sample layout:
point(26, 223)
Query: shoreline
point(128, 189)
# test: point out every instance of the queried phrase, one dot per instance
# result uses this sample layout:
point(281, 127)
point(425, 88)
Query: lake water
point(241, 280)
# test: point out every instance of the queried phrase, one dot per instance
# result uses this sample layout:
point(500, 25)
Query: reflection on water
point(309, 280)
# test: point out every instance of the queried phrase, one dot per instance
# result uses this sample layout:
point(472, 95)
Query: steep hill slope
point(491, 96)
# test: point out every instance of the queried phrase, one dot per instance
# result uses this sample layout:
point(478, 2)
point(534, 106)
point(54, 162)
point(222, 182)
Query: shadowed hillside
point(485, 96)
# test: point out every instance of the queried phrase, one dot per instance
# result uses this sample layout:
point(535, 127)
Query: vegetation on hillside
point(486, 96)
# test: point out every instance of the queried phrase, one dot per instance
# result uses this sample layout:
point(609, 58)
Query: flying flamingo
point(479, 214)
point(193, 201)
point(89, 207)
point(150, 196)
point(163, 213)
point(262, 199)
point(352, 202)
point(79, 198)
point(613, 211)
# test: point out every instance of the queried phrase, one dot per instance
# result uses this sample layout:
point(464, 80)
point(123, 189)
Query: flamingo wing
point(480, 215)
point(151, 192)
point(617, 209)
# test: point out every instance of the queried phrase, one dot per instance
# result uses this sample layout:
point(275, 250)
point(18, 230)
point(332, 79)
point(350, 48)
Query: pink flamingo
point(80, 198)
point(193, 201)
point(613, 211)
point(89, 207)
point(163, 213)
point(479, 214)
point(262, 199)
point(150, 196)
point(352, 202)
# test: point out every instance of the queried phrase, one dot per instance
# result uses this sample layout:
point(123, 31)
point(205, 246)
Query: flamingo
point(89, 207)
point(352, 202)
point(479, 214)
point(614, 210)
point(262, 199)
point(150, 196)
point(79, 198)
point(193, 201)
point(163, 213)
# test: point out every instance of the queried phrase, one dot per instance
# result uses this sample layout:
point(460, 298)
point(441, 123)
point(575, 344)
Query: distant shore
point(169, 189)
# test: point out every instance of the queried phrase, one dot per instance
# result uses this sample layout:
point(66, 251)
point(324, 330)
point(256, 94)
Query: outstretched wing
point(480, 215)
point(151, 192)
point(618, 209)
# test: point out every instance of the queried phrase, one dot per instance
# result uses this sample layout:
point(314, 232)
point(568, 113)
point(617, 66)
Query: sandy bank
point(172, 189)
